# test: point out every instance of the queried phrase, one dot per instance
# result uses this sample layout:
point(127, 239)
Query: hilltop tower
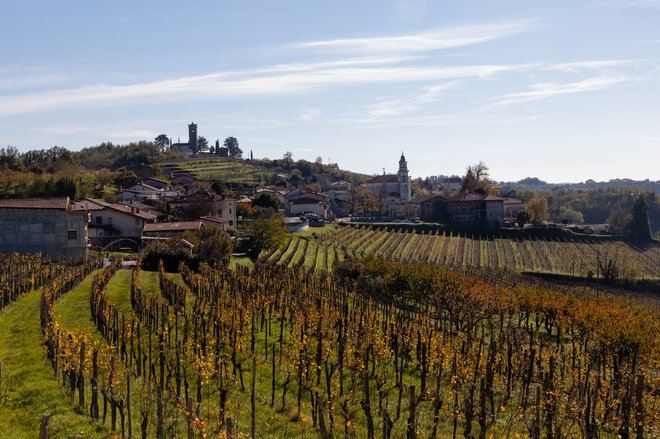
point(192, 137)
point(404, 180)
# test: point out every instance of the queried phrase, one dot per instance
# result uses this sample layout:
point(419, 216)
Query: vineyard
point(283, 352)
point(581, 257)
point(219, 169)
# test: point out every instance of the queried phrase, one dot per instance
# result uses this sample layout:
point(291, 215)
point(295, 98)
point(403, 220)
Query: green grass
point(574, 257)
point(222, 169)
point(245, 261)
point(73, 308)
point(118, 290)
point(318, 230)
point(34, 391)
point(149, 283)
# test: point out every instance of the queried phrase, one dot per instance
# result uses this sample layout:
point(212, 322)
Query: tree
point(476, 179)
point(215, 246)
point(537, 208)
point(126, 179)
point(266, 233)
point(639, 226)
point(568, 214)
point(162, 141)
point(202, 143)
point(288, 160)
point(522, 218)
point(267, 201)
point(231, 143)
point(619, 220)
point(364, 201)
point(10, 158)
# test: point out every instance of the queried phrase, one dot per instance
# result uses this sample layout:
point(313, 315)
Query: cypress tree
point(640, 225)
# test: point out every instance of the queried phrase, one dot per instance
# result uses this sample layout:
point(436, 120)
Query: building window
point(137, 221)
point(99, 220)
point(73, 234)
point(109, 220)
point(230, 211)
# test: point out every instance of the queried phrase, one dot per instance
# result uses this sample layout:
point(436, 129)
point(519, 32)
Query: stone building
point(475, 209)
point(109, 222)
point(191, 147)
point(53, 226)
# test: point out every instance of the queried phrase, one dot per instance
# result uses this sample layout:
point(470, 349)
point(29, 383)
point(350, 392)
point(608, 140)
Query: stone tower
point(192, 137)
point(404, 180)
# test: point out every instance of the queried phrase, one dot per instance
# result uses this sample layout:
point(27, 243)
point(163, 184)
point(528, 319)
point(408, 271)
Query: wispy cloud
point(364, 62)
point(309, 114)
point(549, 90)
point(425, 121)
point(134, 134)
point(425, 41)
point(395, 107)
point(579, 66)
point(30, 76)
point(65, 129)
point(228, 85)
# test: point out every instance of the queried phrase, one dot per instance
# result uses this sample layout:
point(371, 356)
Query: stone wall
point(53, 232)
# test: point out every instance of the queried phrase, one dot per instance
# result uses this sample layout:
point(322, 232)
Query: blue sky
point(560, 90)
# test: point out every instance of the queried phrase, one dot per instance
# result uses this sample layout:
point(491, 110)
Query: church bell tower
point(192, 137)
point(404, 180)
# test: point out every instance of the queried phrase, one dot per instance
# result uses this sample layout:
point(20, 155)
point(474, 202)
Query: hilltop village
point(176, 289)
point(145, 203)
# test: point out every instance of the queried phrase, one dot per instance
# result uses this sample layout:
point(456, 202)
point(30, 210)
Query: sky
point(562, 90)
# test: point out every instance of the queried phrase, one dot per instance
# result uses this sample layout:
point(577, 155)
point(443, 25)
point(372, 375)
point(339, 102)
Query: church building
point(190, 148)
point(394, 186)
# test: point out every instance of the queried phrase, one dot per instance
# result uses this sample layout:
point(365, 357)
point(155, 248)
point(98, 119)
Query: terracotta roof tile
point(35, 203)
point(388, 178)
point(472, 196)
point(172, 226)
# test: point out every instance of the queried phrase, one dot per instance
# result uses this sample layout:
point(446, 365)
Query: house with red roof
point(109, 221)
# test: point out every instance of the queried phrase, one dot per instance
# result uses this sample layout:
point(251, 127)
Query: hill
point(254, 173)
point(569, 255)
point(380, 347)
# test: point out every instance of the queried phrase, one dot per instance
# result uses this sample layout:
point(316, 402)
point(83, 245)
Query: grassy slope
point(229, 170)
point(73, 309)
point(34, 391)
point(119, 290)
point(222, 169)
point(149, 283)
point(570, 257)
point(241, 260)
